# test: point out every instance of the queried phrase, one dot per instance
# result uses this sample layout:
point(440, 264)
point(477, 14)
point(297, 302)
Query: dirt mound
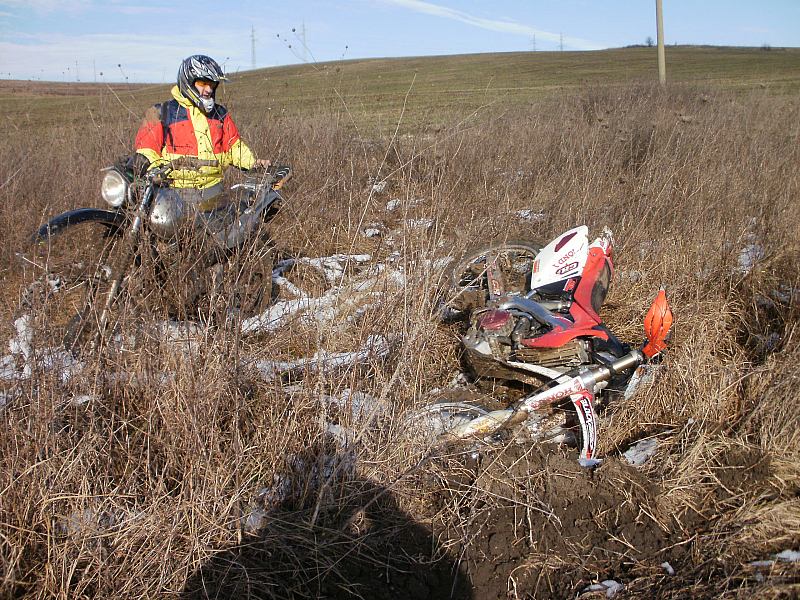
point(533, 523)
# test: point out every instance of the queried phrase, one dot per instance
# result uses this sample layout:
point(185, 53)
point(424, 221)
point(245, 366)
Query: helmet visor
point(206, 82)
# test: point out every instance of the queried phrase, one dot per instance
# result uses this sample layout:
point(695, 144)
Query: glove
point(140, 165)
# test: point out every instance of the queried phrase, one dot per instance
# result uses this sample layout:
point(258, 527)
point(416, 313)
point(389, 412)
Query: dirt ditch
point(530, 522)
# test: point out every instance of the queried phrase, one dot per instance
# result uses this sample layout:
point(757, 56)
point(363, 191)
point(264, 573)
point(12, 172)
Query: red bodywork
point(585, 320)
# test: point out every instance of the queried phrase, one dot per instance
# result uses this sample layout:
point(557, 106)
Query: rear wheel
point(509, 263)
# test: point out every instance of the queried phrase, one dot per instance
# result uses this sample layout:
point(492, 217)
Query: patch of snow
point(21, 343)
point(333, 267)
point(282, 311)
point(609, 586)
point(380, 187)
point(371, 232)
point(302, 474)
point(393, 204)
point(288, 287)
point(761, 563)
point(668, 568)
point(590, 463)
point(419, 223)
point(363, 408)
point(376, 347)
point(529, 214)
point(749, 257)
point(788, 556)
point(280, 490)
point(81, 400)
point(642, 376)
point(8, 368)
point(255, 520)
point(641, 451)
point(460, 379)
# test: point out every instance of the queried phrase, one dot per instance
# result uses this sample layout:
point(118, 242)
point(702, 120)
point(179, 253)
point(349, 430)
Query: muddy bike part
point(436, 419)
point(130, 244)
point(581, 386)
point(491, 271)
point(77, 270)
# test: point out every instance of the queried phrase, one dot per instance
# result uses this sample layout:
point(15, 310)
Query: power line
point(253, 45)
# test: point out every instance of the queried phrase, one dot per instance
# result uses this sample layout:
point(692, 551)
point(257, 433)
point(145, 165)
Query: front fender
point(110, 218)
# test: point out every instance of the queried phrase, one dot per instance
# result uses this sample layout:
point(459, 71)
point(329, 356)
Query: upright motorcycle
point(150, 251)
point(532, 316)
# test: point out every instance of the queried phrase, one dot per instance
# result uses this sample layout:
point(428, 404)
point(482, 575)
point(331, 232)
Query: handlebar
point(275, 175)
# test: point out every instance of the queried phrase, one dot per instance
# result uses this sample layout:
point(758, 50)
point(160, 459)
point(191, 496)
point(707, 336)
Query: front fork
point(580, 389)
point(130, 244)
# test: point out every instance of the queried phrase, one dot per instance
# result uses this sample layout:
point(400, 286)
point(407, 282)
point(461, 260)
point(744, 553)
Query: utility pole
point(77, 76)
point(561, 41)
point(662, 63)
point(253, 45)
point(533, 45)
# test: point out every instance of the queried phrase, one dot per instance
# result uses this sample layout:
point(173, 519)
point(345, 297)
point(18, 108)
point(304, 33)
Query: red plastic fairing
point(585, 318)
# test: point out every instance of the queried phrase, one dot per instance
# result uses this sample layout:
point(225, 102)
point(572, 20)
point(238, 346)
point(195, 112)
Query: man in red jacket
point(198, 138)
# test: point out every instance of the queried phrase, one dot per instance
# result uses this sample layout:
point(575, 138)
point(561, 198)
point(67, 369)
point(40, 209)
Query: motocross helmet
point(197, 67)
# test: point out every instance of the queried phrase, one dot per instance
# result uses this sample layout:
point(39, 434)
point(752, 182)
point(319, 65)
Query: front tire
point(74, 271)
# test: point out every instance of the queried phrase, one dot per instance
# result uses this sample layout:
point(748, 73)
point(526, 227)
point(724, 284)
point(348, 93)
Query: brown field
point(153, 473)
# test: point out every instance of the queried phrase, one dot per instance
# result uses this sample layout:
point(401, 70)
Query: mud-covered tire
point(253, 293)
point(467, 275)
point(72, 274)
point(426, 426)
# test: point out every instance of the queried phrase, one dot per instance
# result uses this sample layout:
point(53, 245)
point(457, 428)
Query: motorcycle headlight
point(114, 188)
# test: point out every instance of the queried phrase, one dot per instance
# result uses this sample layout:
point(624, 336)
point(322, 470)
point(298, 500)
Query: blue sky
point(144, 40)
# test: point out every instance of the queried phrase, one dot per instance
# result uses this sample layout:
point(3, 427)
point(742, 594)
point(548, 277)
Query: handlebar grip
point(282, 174)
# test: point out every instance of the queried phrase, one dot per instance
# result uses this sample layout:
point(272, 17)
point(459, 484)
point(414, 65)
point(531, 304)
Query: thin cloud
point(144, 10)
point(502, 26)
point(47, 6)
point(96, 53)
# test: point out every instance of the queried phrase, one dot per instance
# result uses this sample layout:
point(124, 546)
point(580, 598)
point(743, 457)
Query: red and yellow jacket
point(207, 143)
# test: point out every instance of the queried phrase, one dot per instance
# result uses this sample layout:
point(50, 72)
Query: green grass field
point(424, 91)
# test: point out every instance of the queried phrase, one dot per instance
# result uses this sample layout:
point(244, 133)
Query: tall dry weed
point(126, 482)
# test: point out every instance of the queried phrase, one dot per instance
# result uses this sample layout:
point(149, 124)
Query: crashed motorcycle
point(532, 316)
point(151, 250)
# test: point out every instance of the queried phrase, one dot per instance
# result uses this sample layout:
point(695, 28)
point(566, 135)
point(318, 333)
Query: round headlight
point(114, 188)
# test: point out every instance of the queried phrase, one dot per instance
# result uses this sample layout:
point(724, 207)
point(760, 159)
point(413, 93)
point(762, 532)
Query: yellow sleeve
point(240, 156)
point(153, 156)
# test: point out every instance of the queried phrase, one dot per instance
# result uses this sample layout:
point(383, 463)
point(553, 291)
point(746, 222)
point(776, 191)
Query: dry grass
point(129, 494)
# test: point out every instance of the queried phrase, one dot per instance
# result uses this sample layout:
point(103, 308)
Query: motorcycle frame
point(117, 218)
point(581, 386)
